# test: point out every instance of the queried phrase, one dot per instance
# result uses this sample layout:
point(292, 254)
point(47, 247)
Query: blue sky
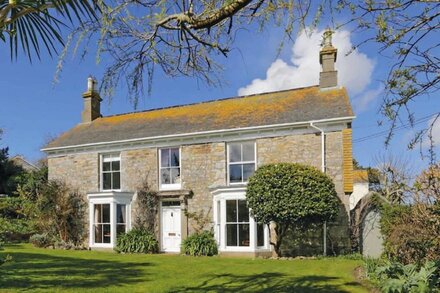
point(33, 108)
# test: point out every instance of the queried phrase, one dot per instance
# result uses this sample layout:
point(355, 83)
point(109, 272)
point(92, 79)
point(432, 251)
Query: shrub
point(60, 212)
point(396, 277)
point(291, 194)
point(60, 244)
point(14, 222)
point(200, 244)
point(41, 240)
point(137, 241)
point(411, 233)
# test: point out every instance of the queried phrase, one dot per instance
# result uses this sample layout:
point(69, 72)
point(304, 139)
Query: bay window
point(236, 229)
point(169, 166)
point(241, 161)
point(109, 217)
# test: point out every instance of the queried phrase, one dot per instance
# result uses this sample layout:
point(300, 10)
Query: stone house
point(199, 156)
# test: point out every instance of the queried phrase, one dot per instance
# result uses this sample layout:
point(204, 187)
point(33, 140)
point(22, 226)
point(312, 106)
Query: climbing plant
point(146, 207)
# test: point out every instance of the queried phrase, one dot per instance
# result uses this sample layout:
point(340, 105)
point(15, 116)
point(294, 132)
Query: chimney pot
point(90, 84)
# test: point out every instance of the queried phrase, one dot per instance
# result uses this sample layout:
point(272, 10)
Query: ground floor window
point(102, 223)
point(121, 219)
point(260, 234)
point(235, 228)
point(109, 217)
point(237, 223)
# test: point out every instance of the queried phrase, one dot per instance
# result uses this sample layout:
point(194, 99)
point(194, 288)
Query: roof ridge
point(206, 102)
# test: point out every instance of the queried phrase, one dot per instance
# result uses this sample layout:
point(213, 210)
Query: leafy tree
point(32, 183)
point(290, 194)
point(37, 24)
point(9, 173)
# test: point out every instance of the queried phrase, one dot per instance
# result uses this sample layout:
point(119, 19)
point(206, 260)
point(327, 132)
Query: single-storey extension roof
point(287, 106)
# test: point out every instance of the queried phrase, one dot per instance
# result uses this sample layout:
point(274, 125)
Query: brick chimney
point(92, 102)
point(328, 77)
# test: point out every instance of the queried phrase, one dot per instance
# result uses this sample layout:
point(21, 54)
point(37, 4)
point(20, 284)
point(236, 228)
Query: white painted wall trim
point(235, 134)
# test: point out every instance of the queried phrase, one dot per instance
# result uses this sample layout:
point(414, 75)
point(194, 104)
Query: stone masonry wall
point(305, 149)
point(203, 166)
point(79, 171)
point(137, 166)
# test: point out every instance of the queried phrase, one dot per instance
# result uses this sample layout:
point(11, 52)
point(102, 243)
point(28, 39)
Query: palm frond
point(34, 25)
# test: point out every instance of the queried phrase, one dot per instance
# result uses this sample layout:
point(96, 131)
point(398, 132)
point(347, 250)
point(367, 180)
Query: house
point(199, 157)
point(19, 160)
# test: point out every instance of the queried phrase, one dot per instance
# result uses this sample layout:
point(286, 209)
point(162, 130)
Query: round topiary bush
point(200, 244)
point(137, 241)
point(289, 194)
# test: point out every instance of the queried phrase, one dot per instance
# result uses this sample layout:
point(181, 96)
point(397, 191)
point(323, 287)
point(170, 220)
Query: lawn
point(35, 269)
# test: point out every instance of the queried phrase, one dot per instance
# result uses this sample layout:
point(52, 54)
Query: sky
point(34, 109)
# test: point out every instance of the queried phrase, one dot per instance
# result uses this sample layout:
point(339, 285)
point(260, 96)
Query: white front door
point(171, 238)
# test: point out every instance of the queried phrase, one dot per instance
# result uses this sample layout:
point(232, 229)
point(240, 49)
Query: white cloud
point(354, 70)
point(363, 101)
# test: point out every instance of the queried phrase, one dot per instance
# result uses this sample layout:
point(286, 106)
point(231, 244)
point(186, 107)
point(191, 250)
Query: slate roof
point(288, 106)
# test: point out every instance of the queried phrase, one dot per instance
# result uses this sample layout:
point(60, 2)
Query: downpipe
point(323, 169)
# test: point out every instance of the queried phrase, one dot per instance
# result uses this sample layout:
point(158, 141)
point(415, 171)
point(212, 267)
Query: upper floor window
point(111, 172)
point(241, 161)
point(169, 166)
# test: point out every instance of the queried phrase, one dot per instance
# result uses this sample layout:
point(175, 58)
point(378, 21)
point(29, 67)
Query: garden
point(37, 269)
point(43, 232)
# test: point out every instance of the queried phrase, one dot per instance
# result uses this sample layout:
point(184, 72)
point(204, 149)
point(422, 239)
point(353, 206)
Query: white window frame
point(127, 214)
point(236, 193)
point(174, 186)
point(237, 223)
point(100, 222)
point(239, 163)
point(112, 198)
point(113, 158)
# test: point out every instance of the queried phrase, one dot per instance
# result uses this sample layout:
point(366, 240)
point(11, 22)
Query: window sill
point(101, 245)
point(238, 183)
point(169, 187)
point(110, 190)
point(243, 249)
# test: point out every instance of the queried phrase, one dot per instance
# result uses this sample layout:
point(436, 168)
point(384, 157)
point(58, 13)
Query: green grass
point(34, 269)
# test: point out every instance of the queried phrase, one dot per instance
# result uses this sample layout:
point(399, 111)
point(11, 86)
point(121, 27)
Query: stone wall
point(204, 166)
point(137, 166)
point(80, 171)
point(306, 149)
